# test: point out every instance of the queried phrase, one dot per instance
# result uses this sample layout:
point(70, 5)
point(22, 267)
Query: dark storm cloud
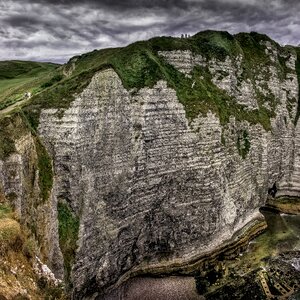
point(58, 29)
point(119, 4)
point(248, 12)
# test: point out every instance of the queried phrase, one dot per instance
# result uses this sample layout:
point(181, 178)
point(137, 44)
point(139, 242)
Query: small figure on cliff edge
point(27, 95)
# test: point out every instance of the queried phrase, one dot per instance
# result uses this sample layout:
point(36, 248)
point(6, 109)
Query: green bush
point(12, 128)
point(30, 247)
point(50, 292)
point(7, 144)
point(5, 210)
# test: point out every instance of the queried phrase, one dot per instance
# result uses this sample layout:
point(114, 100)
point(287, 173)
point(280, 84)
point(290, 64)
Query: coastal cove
point(265, 267)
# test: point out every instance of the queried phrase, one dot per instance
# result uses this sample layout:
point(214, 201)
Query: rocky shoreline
point(222, 274)
point(286, 205)
point(205, 261)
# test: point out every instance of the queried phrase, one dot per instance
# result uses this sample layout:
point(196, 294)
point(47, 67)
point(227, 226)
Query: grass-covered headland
point(139, 65)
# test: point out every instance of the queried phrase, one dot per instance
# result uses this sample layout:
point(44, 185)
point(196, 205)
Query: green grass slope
point(19, 77)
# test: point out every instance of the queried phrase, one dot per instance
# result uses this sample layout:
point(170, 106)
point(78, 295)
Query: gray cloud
point(118, 4)
point(55, 30)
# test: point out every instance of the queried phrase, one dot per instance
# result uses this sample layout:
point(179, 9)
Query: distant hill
point(15, 68)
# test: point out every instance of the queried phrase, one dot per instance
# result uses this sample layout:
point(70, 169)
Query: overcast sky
point(55, 30)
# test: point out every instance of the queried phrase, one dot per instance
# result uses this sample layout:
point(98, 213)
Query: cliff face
point(19, 185)
point(151, 185)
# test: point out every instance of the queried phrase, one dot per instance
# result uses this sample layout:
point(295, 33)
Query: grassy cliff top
point(19, 77)
point(139, 65)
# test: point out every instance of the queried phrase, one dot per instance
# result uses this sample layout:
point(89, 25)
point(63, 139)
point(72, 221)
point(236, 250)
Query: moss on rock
point(45, 170)
point(68, 229)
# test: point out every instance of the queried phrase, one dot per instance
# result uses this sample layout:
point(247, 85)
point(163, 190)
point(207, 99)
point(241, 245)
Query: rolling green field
point(19, 77)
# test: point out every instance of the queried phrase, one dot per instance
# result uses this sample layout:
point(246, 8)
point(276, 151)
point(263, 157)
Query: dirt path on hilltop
point(12, 107)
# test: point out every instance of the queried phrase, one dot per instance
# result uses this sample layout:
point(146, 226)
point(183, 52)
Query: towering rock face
point(148, 184)
point(152, 186)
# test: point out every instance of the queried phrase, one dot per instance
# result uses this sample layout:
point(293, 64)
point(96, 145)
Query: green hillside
point(19, 77)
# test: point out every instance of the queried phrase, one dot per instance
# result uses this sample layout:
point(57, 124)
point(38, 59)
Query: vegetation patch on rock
point(18, 277)
point(11, 128)
point(45, 169)
point(68, 228)
point(243, 144)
